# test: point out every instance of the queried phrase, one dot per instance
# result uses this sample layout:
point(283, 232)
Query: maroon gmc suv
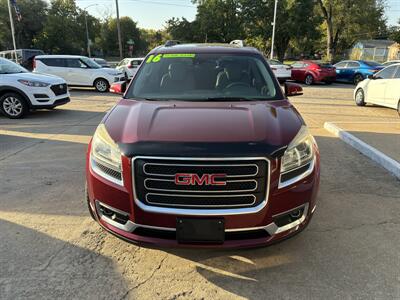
point(203, 150)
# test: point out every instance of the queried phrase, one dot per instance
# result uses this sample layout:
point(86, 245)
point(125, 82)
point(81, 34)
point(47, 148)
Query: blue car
point(355, 71)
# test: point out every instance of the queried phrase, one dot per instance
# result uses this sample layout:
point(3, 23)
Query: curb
point(383, 160)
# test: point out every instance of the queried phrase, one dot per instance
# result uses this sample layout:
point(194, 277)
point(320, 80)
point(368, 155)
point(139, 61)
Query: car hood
point(255, 124)
point(38, 77)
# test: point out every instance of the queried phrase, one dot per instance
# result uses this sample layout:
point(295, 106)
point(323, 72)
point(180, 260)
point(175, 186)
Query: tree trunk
point(327, 13)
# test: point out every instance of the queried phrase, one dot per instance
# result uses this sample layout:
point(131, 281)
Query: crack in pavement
point(147, 279)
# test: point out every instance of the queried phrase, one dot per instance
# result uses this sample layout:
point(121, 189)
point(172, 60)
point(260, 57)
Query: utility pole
point(87, 29)
point(273, 30)
point(87, 35)
point(12, 31)
point(119, 30)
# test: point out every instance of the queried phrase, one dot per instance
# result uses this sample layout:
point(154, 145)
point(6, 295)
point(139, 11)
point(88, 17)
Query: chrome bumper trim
point(271, 228)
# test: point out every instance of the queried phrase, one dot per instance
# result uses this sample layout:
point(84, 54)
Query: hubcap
point(308, 80)
point(359, 97)
point(101, 85)
point(12, 106)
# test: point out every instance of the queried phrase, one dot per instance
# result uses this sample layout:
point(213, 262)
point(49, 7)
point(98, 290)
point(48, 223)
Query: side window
point(341, 65)
point(74, 63)
point(397, 75)
point(387, 73)
point(298, 65)
point(353, 65)
point(122, 63)
point(52, 62)
point(135, 63)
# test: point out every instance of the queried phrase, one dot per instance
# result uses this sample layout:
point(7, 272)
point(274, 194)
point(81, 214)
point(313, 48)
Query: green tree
point(62, 32)
point(219, 20)
point(129, 31)
point(346, 21)
point(182, 30)
point(34, 14)
point(153, 38)
point(296, 22)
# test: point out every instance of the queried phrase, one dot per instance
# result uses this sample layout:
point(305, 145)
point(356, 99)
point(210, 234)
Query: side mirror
point(118, 87)
point(372, 77)
point(293, 89)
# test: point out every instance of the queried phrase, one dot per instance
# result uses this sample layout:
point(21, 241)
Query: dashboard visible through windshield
point(203, 77)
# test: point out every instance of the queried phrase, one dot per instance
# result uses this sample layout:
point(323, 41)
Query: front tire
point(101, 85)
point(309, 79)
point(357, 79)
point(360, 97)
point(13, 106)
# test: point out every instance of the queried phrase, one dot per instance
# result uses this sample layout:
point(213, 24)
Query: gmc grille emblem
point(205, 179)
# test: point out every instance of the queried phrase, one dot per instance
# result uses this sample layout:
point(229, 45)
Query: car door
point(53, 66)
point(351, 70)
point(78, 72)
point(297, 70)
point(340, 70)
point(377, 86)
point(392, 91)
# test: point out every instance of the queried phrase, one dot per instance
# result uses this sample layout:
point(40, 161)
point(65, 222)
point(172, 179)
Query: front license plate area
point(190, 231)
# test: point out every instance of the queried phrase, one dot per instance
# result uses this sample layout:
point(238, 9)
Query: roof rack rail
point(239, 43)
point(171, 43)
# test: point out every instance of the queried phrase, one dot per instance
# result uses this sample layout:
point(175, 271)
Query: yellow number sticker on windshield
point(149, 59)
point(157, 58)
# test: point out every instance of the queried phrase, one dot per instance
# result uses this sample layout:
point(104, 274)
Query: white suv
point(78, 71)
point(21, 90)
point(129, 66)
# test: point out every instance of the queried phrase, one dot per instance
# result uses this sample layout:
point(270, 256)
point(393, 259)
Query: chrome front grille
point(245, 182)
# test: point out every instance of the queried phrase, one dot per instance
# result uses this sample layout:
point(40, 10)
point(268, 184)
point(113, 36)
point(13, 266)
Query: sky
point(152, 14)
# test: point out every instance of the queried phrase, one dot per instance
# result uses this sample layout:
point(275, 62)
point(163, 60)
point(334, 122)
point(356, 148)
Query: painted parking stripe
point(383, 160)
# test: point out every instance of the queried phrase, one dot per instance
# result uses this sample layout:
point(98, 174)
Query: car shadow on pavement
point(35, 265)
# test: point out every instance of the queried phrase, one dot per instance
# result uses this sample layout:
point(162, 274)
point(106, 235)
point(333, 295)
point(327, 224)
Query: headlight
point(33, 83)
point(299, 152)
point(106, 153)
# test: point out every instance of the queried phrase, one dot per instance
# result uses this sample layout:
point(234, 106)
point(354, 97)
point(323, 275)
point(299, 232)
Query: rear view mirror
point(371, 77)
point(118, 87)
point(293, 89)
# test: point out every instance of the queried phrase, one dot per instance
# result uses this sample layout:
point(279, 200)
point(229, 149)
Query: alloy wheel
point(357, 79)
point(101, 85)
point(360, 97)
point(12, 106)
point(309, 80)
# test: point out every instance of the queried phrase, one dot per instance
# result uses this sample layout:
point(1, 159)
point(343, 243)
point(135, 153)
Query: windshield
point(92, 64)
point(9, 67)
point(372, 63)
point(200, 77)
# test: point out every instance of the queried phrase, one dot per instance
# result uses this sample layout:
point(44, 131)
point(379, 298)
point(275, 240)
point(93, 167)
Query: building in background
point(377, 50)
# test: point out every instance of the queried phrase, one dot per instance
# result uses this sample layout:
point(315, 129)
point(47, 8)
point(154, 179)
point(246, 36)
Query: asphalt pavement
point(50, 248)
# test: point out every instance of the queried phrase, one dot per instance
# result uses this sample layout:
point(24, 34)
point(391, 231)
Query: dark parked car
point(25, 57)
point(354, 71)
point(203, 150)
point(310, 72)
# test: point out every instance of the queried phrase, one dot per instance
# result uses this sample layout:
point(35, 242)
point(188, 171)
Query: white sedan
point(282, 72)
point(381, 88)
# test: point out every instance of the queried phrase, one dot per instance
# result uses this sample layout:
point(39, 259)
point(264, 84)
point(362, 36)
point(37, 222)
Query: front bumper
point(111, 202)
